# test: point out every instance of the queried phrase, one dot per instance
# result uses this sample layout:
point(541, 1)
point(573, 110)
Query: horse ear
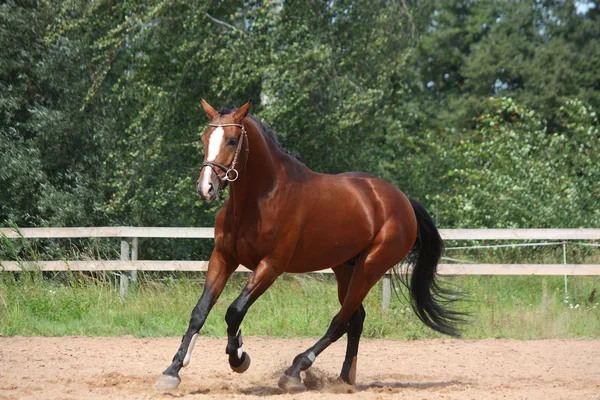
point(211, 113)
point(241, 112)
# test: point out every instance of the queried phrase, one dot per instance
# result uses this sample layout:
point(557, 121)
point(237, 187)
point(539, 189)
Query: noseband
point(231, 174)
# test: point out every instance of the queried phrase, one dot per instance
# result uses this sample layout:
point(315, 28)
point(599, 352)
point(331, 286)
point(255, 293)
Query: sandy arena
point(126, 368)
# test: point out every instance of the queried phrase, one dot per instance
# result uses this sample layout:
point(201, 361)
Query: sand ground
point(126, 368)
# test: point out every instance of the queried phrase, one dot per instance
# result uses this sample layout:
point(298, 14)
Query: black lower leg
point(234, 317)
point(197, 320)
point(355, 328)
point(304, 360)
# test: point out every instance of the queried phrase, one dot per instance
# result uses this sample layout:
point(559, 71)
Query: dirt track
point(119, 368)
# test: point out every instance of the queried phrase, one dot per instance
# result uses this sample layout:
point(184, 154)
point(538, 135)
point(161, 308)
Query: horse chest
point(253, 245)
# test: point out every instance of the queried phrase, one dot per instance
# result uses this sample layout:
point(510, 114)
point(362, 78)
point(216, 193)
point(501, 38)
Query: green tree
point(152, 62)
point(333, 82)
point(101, 120)
point(539, 53)
point(512, 172)
point(51, 169)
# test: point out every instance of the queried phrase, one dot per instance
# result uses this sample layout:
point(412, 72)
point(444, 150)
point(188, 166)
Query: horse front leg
point(260, 280)
point(219, 271)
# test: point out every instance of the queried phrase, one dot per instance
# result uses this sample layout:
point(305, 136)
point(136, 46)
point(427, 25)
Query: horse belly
point(328, 258)
point(329, 243)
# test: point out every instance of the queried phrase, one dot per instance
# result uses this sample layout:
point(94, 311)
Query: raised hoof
point(290, 383)
point(166, 382)
point(243, 367)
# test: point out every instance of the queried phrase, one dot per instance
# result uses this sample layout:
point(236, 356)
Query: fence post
point(386, 288)
point(565, 263)
point(124, 279)
point(134, 257)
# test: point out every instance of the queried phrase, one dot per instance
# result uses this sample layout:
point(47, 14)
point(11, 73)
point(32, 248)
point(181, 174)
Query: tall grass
point(84, 303)
point(521, 307)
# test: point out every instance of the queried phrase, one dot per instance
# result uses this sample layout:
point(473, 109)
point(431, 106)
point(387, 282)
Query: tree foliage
point(50, 152)
point(540, 53)
point(486, 111)
point(513, 172)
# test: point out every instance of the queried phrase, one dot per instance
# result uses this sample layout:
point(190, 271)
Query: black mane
point(262, 127)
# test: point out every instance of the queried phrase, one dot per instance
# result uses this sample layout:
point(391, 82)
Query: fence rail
point(109, 231)
point(200, 233)
point(130, 264)
point(199, 266)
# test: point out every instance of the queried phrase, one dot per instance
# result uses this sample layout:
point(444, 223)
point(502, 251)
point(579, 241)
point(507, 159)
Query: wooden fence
point(129, 264)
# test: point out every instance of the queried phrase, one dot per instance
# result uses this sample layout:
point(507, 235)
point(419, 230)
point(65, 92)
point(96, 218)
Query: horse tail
point(428, 299)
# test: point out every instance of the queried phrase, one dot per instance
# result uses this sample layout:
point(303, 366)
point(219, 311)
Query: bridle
point(231, 174)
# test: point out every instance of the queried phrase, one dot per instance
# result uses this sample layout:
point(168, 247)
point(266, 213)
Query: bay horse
point(282, 217)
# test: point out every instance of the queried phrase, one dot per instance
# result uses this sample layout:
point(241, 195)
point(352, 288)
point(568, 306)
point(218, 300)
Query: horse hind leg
point(343, 274)
point(386, 251)
point(355, 328)
point(358, 288)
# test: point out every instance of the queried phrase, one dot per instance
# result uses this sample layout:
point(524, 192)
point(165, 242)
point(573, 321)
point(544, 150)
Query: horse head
point(223, 142)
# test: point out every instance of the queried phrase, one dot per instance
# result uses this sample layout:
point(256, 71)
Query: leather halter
point(231, 174)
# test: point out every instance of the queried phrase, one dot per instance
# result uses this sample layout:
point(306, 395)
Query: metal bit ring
point(229, 178)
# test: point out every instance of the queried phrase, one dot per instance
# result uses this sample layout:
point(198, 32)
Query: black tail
point(428, 299)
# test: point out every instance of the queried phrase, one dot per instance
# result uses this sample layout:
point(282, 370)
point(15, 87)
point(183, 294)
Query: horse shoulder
point(224, 238)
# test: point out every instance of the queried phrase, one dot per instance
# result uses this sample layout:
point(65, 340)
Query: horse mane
point(265, 131)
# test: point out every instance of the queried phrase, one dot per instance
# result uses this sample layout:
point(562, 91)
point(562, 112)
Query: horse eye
point(231, 141)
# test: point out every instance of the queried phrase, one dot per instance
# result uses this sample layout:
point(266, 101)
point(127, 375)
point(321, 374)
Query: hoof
point(243, 367)
point(345, 380)
point(166, 382)
point(290, 383)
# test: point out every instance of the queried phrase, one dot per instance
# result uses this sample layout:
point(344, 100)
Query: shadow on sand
point(316, 380)
point(319, 381)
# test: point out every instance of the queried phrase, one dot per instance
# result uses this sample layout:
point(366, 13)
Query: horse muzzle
point(207, 195)
point(209, 185)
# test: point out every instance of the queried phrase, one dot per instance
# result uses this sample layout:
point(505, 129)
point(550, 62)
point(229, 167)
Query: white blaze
point(214, 147)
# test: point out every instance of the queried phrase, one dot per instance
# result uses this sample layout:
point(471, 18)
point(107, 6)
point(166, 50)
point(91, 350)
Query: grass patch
point(520, 307)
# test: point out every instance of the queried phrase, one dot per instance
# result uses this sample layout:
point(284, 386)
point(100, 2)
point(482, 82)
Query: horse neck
point(259, 174)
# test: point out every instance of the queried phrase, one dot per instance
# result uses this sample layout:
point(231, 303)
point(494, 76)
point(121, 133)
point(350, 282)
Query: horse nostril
point(211, 189)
